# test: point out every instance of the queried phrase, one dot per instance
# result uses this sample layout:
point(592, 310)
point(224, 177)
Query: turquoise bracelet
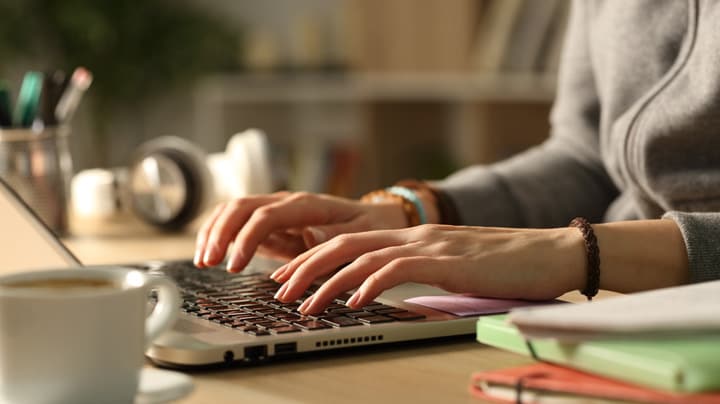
point(411, 196)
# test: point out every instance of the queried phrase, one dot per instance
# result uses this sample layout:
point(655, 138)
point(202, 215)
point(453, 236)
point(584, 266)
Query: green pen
point(28, 100)
point(5, 116)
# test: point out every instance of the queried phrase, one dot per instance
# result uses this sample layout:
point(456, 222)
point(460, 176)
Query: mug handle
point(166, 309)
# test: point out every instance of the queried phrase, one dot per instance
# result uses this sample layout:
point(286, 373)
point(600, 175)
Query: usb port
point(255, 353)
point(285, 348)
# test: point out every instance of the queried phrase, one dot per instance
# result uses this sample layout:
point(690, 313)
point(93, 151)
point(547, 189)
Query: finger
point(338, 251)
point(314, 235)
point(352, 276)
point(202, 236)
point(232, 218)
point(282, 246)
point(297, 210)
point(351, 245)
point(399, 271)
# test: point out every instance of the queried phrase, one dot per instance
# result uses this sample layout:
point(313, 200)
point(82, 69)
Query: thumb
point(314, 235)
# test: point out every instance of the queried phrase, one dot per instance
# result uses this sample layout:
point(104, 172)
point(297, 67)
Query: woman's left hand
point(492, 262)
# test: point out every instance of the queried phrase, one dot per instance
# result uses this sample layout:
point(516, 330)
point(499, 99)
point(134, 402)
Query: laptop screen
point(26, 243)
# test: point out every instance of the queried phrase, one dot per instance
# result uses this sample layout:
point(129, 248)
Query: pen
point(28, 99)
point(5, 116)
point(78, 84)
point(53, 87)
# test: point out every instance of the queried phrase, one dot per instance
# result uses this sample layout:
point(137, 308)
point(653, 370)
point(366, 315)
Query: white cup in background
point(78, 335)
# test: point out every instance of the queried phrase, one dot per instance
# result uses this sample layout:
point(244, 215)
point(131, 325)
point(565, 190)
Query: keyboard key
point(257, 331)
point(263, 324)
point(359, 314)
point(285, 330)
point(375, 319)
point(233, 313)
point(377, 307)
point(406, 316)
point(342, 299)
point(201, 313)
point(264, 310)
point(341, 321)
point(311, 325)
point(388, 311)
point(342, 310)
point(224, 320)
point(247, 318)
point(286, 316)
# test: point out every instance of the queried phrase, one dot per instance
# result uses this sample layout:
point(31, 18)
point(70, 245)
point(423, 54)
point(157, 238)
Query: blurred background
point(352, 94)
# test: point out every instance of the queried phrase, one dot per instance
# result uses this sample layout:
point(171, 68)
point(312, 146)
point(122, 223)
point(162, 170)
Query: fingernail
point(279, 294)
point(318, 235)
point(196, 258)
point(278, 272)
point(210, 254)
point(354, 299)
point(230, 265)
point(304, 306)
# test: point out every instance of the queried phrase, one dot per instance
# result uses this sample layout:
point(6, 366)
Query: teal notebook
point(682, 364)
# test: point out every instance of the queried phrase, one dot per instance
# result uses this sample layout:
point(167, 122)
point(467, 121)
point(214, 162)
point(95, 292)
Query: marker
point(5, 115)
point(28, 99)
point(68, 103)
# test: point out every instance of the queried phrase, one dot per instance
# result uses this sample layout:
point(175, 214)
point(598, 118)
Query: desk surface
point(419, 373)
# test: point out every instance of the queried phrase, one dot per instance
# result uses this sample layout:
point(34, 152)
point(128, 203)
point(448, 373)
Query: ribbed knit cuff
point(701, 232)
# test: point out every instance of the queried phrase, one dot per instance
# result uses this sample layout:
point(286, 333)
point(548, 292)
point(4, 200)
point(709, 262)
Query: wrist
point(388, 214)
point(573, 264)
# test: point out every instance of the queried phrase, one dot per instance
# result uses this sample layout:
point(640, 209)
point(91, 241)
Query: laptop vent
point(348, 341)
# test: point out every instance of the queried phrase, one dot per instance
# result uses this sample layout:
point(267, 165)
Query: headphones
point(170, 180)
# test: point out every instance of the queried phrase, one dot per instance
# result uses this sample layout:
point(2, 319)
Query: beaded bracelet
point(593, 256)
point(447, 211)
point(410, 195)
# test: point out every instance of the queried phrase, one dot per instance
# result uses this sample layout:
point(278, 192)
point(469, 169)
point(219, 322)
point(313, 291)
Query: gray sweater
point(635, 130)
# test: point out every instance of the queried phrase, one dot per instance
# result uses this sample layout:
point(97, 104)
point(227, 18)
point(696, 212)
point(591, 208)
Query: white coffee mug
point(79, 335)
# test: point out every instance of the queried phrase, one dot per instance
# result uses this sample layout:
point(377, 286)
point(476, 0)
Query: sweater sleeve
point(701, 232)
point(564, 177)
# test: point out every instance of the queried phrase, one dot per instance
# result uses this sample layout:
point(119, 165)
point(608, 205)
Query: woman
point(635, 148)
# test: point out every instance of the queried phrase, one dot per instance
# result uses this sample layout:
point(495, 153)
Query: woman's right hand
point(283, 225)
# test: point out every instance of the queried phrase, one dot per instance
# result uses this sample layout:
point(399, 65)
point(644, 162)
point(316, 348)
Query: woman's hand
point(492, 262)
point(283, 225)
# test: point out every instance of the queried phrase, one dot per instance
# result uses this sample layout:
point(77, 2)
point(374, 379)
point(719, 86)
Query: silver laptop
point(233, 319)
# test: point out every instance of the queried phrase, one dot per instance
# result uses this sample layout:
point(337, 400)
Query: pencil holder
point(38, 165)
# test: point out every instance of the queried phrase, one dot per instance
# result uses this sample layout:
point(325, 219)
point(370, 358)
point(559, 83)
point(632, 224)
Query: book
point(679, 363)
point(399, 36)
point(494, 33)
point(545, 383)
point(676, 310)
point(549, 58)
point(531, 28)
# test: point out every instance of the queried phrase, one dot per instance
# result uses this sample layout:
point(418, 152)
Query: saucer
point(161, 386)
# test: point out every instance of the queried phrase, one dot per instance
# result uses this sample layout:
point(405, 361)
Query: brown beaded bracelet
point(447, 211)
point(593, 256)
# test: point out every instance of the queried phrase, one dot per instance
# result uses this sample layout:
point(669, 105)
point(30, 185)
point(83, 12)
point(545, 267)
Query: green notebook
point(682, 364)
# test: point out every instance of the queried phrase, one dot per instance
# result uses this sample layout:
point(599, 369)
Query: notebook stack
point(660, 347)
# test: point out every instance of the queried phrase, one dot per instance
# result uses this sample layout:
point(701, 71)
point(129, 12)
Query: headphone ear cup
point(169, 182)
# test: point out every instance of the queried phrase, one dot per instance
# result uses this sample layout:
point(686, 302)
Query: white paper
point(681, 309)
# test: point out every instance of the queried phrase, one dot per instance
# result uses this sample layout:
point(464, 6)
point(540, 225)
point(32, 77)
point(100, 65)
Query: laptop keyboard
point(246, 303)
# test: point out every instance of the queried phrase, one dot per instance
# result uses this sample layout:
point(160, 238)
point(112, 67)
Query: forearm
point(640, 255)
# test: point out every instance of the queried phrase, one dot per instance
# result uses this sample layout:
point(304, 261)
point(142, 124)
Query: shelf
point(316, 88)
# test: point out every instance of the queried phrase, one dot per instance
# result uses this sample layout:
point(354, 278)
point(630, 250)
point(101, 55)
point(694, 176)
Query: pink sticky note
point(463, 305)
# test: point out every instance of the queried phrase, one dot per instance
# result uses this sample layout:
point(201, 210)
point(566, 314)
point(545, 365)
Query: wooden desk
point(417, 373)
